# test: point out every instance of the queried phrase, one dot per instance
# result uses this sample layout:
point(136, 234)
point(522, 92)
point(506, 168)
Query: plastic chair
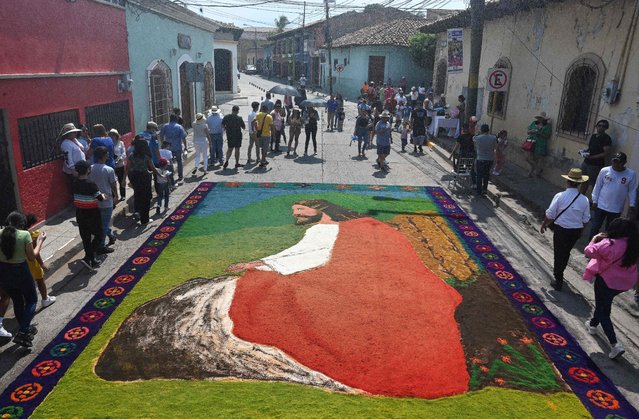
point(463, 174)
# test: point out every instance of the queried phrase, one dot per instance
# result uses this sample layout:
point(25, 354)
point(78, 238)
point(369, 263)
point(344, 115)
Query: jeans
point(119, 173)
point(163, 194)
point(599, 218)
point(482, 168)
point(603, 306)
point(90, 226)
point(563, 240)
point(310, 132)
point(105, 217)
point(362, 139)
point(177, 155)
point(16, 280)
point(217, 154)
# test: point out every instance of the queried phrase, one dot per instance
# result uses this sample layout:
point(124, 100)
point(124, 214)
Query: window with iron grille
point(579, 99)
point(38, 142)
point(111, 115)
point(160, 93)
point(497, 101)
point(209, 76)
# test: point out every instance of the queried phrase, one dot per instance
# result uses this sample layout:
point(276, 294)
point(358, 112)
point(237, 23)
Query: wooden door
point(376, 66)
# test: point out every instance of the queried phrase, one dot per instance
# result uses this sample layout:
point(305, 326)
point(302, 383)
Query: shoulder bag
point(551, 226)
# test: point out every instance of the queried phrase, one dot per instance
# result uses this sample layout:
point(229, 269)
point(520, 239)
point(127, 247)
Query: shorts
point(383, 149)
point(234, 142)
point(591, 171)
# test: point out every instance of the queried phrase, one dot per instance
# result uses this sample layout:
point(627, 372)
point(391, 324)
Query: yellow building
point(576, 60)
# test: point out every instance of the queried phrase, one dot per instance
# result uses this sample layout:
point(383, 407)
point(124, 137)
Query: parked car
point(250, 69)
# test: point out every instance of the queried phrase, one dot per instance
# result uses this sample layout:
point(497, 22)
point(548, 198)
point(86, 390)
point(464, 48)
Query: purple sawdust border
point(592, 387)
point(37, 380)
point(598, 394)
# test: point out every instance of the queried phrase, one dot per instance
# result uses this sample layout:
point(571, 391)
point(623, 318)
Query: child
point(362, 125)
point(87, 214)
point(500, 152)
point(166, 153)
point(406, 114)
point(341, 116)
point(406, 132)
point(399, 113)
point(37, 266)
point(164, 174)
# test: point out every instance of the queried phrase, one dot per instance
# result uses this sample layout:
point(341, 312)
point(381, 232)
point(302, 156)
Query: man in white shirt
point(252, 134)
point(569, 211)
point(615, 184)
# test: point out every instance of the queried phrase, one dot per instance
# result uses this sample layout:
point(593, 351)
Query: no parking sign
point(498, 80)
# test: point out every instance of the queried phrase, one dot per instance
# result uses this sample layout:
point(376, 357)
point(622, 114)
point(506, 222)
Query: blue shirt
point(174, 134)
point(269, 105)
point(331, 105)
point(154, 145)
point(383, 131)
point(214, 121)
point(106, 142)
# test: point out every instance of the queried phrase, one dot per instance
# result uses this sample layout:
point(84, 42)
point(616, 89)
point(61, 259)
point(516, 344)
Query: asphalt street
point(337, 162)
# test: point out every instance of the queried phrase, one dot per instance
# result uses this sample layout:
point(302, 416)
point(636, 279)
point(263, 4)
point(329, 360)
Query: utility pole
point(329, 42)
point(305, 71)
point(476, 38)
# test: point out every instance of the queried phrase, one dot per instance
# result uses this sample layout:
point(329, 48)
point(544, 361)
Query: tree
point(374, 6)
point(421, 48)
point(280, 23)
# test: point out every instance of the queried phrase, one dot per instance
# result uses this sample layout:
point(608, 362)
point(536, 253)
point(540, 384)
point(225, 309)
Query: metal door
point(223, 70)
point(186, 99)
point(8, 201)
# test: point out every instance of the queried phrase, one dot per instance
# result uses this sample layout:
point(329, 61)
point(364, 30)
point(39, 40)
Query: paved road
point(337, 162)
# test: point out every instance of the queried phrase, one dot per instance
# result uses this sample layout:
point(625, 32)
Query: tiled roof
point(395, 32)
point(493, 10)
point(182, 14)
point(261, 34)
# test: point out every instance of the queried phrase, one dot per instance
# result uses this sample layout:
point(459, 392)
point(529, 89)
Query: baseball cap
point(620, 156)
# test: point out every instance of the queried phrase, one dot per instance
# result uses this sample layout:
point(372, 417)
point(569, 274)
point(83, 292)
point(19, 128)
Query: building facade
point(577, 73)
point(49, 78)
point(251, 48)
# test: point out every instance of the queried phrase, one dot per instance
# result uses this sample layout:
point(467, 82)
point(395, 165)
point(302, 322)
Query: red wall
point(57, 36)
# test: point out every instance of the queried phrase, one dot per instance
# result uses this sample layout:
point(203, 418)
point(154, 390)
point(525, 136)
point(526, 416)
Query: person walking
point(201, 143)
point(310, 117)
point(175, 134)
point(595, 155)
point(16, 281)
point(263, 124)
point(139, 171)
point(214, 122)
point(539, 131)
point(104, 177)
point(150, 135)
point(613, 269)
point(383, 130)
point(362, 124)
point(331, 109)
point(485, 144)
point(294, 131)
point(253, 140)
point(234, 124)
point(418, 123)
point(568, 212)
point(615, 186)
point(119, 154)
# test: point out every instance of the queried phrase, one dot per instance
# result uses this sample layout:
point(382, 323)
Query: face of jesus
point(305, 215)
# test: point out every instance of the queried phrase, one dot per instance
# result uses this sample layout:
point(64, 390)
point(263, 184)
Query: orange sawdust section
point(438, 246)
point(374, 318)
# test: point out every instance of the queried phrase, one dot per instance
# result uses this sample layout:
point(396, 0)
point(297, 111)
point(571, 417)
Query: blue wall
point(397, 64)
point(154, 37)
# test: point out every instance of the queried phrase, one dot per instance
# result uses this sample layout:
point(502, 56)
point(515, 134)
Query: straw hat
point(214, 109)
point(575, 175)
point(199, 119)
point(385, 114)
point(542, 116)
point(67, 129)
point(114, 132)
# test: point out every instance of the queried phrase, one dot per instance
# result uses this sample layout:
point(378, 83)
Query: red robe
point(374, 317)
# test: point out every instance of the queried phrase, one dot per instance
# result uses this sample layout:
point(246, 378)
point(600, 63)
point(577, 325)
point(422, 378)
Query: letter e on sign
point(498, 80)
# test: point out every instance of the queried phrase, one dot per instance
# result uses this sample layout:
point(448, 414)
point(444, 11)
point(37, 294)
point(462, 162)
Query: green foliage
point(280, 23)
point(374, 6)
point(421, 48)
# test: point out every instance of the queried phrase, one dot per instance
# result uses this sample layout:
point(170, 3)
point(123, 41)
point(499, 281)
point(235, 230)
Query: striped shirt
point(85, 194)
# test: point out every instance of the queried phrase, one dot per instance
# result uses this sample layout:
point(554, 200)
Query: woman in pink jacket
point(613, 268)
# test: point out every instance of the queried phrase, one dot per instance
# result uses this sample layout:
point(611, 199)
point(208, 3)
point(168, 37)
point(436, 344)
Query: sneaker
point(591, 329)
point(105, 250)
point(4, 333)
point(112, 240)
point(23, 339)
point(616, 350)
point(194, 172)
point(48, 301)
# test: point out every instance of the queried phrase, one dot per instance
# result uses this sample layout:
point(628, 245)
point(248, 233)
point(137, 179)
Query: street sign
point(339, 68)
point(498, 79)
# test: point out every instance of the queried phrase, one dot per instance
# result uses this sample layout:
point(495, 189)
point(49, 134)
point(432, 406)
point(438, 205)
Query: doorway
point(376, 66)
point(186, 97)
point(223, 70)
point(8, 202)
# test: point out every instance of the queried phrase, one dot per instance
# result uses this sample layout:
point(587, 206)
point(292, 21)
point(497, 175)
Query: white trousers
point(201, 153)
